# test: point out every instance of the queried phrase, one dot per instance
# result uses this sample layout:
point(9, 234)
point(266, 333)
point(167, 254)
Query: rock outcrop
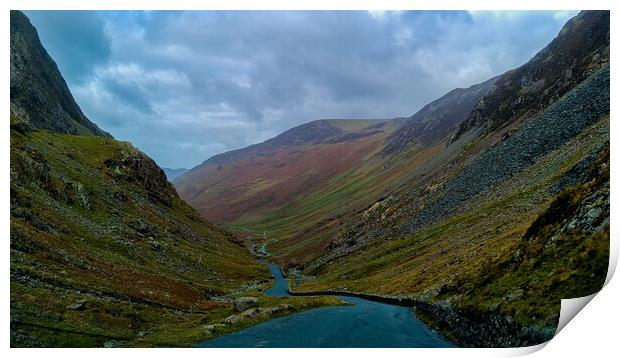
point(243, 303)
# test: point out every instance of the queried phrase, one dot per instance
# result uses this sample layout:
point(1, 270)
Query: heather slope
point(267, 176)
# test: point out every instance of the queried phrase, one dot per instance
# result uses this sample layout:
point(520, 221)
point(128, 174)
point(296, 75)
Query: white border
point(593, 332)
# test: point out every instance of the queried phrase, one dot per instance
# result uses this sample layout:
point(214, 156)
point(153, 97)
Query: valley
point(463, 224)
point(444, 209)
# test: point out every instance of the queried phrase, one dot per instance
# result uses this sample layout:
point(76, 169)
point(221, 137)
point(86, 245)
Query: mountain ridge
point(292, 161)
point(581, 47)
point(433, 121)
point(40, 98)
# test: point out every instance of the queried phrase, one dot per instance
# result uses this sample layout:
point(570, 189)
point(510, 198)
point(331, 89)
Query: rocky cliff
point(580, 49)
point(103, 251)
point(40, 98)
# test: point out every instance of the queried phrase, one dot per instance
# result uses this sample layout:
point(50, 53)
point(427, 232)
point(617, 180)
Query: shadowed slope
point(40, 97)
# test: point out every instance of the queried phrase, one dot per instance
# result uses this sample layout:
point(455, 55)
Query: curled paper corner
point(523, 351)
point(569, 308)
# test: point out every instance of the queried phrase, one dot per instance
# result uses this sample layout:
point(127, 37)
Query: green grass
point(464, 258)
point(87, 224)
point(353, 125)
point(44, 320)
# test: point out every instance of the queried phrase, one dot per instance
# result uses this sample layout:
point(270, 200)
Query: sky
point(184, 86)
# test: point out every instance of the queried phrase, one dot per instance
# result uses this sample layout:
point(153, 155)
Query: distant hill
point(276, 172)
point(172, 174)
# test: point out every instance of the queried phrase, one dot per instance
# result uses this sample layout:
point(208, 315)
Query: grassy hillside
point(251, 183)
point(468, 224)
point(104, 252)
point(514, 223)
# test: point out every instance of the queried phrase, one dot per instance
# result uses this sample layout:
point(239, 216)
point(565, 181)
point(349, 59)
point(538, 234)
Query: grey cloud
point(184, 86)
point(75, 39)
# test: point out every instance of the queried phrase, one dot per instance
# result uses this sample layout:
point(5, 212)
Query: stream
point(363, 324)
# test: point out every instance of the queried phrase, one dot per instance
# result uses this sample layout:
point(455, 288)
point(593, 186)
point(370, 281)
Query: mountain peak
point(40, 98)
point(579, 50)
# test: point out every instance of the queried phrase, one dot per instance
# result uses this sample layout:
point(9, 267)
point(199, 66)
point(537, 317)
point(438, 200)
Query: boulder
point(243, 303)
point(211, 327)
point(233, 319)
point(78, 305)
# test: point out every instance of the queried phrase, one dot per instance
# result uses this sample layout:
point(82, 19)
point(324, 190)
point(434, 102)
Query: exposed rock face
point(438, 118)
point(581, 208)
point(582, 107)
point(79, 305)
point(580, 49)
point(243, 303)
point(137, 166)
point(40, 97)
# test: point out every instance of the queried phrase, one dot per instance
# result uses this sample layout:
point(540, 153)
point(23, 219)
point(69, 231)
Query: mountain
point(438, 118)
point(515, 219)
point(484, 208)
point(302, 186)
point(172, 174)
point(103, 251)
point(580, 49)
point(40, 97)
point(271, 174)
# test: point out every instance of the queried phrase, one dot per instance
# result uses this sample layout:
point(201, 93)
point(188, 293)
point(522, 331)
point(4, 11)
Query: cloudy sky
point(183, 86)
